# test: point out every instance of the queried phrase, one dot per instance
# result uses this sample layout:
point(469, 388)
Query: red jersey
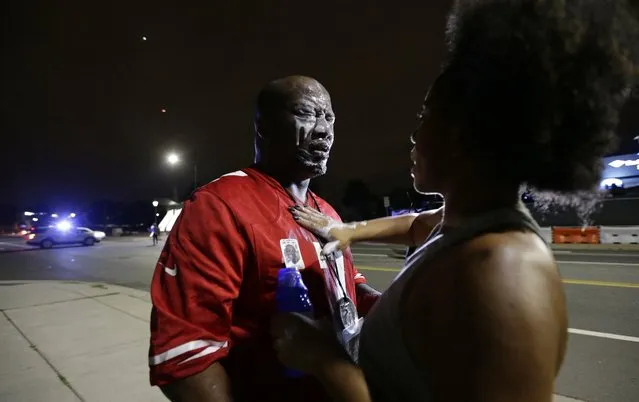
point(213, 289)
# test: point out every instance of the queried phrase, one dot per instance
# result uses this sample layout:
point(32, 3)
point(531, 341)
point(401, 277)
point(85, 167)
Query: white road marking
point(18, 245)
point(369, 255)
point(625, 264)
point(603, 335)
point(602, 254)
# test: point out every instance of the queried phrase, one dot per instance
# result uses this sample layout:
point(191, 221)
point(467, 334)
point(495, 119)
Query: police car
point(63, 233)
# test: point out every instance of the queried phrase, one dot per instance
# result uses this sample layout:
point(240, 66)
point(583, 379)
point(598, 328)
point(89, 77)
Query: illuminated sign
point(617, 163)
point(621, 167)
point(611, 182)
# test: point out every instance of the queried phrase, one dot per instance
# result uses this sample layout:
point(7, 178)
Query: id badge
point(350, 326)
point(347, 312)
point(344, 313)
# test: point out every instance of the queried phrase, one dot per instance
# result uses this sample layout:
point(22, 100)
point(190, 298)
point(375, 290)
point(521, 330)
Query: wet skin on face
point(300, 131)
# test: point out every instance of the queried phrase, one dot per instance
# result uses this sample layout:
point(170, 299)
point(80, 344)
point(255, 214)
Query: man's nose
point(322, 129)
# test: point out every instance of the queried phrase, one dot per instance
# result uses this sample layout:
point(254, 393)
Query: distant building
point(621, 171)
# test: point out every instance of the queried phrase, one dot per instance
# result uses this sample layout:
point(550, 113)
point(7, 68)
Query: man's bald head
point(294, 125)
point(276, 94)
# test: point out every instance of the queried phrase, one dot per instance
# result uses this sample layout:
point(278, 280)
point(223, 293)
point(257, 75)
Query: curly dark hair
point(538, 86)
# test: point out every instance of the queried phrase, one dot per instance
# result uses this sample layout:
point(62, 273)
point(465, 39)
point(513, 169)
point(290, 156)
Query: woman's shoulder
point(494, 280)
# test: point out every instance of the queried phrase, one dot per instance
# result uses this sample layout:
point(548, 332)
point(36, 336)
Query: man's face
point(305, 130)
point(291, 254)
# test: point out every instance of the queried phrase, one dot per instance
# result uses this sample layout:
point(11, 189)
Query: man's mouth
point(319, 146)
point(319, 150)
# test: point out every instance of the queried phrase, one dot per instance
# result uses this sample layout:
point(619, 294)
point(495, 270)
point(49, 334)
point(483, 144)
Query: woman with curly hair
point(530, 95)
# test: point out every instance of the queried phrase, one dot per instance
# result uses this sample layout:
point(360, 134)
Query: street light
point(155, 205)
point(173, 158)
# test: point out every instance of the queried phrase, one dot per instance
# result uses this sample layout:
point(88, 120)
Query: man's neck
point(297, 188)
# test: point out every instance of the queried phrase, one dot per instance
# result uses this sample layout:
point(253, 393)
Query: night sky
point(83, 93)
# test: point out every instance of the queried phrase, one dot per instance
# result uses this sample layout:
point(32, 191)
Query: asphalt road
point(602, 289)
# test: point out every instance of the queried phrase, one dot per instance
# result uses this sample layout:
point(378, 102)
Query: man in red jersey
point(214, 285)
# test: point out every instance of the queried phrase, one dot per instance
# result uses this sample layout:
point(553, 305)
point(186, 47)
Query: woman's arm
point(344, 381)
point(312, 347)
point(408, 229)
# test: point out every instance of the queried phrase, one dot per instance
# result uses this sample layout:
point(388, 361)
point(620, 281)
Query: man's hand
point(211, 385)
point(304, 344)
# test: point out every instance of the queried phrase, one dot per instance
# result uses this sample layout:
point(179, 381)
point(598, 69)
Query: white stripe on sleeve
point(211, 347)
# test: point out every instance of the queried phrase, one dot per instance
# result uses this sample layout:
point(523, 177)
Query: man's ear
point(260, 127)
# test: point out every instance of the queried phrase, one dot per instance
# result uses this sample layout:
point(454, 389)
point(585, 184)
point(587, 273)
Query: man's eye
point(330, 118)
point(303, 112)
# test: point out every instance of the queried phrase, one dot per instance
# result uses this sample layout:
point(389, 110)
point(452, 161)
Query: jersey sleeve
point(196, 279)
point(358, 277)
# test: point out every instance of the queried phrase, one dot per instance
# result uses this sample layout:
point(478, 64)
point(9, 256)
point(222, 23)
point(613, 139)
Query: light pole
point(173, 159)
point(155, 217)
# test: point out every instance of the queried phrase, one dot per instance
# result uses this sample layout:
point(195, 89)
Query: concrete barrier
point(619, 234)
point(547, 234)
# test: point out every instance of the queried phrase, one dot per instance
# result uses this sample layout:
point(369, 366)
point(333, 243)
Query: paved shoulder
point(93, 338)
point(80, 341)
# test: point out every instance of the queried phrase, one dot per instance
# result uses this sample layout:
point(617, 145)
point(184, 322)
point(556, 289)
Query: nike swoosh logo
point(168, 270)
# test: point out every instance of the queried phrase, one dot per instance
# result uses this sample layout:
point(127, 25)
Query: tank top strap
point(490, 222)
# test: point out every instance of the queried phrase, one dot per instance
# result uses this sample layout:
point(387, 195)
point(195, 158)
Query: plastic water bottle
point(292, 296)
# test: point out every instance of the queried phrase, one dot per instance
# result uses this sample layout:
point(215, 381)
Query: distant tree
point(138, 213)
point(9, 214)
point(401, 198)
point(104, 212)
point(359, 201)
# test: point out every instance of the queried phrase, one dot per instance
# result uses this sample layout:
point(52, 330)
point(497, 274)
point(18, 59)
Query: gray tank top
point(389, 369)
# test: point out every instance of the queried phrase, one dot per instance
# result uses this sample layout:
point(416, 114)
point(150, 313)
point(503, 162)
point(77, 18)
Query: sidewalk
point(64, 341)
point(72, 341)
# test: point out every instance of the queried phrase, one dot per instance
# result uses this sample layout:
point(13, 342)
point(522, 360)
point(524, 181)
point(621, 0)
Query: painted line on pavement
point(573, 253)
point(601, 283)
point(604, 335)
point(382, 269)
point(625, 264)
point(18, 245)
point(629, 264)
point(567, 280)
point(369, 255)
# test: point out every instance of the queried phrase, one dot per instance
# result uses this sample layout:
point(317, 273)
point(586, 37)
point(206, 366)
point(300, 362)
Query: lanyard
point(330, 259)
point(343, 310)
